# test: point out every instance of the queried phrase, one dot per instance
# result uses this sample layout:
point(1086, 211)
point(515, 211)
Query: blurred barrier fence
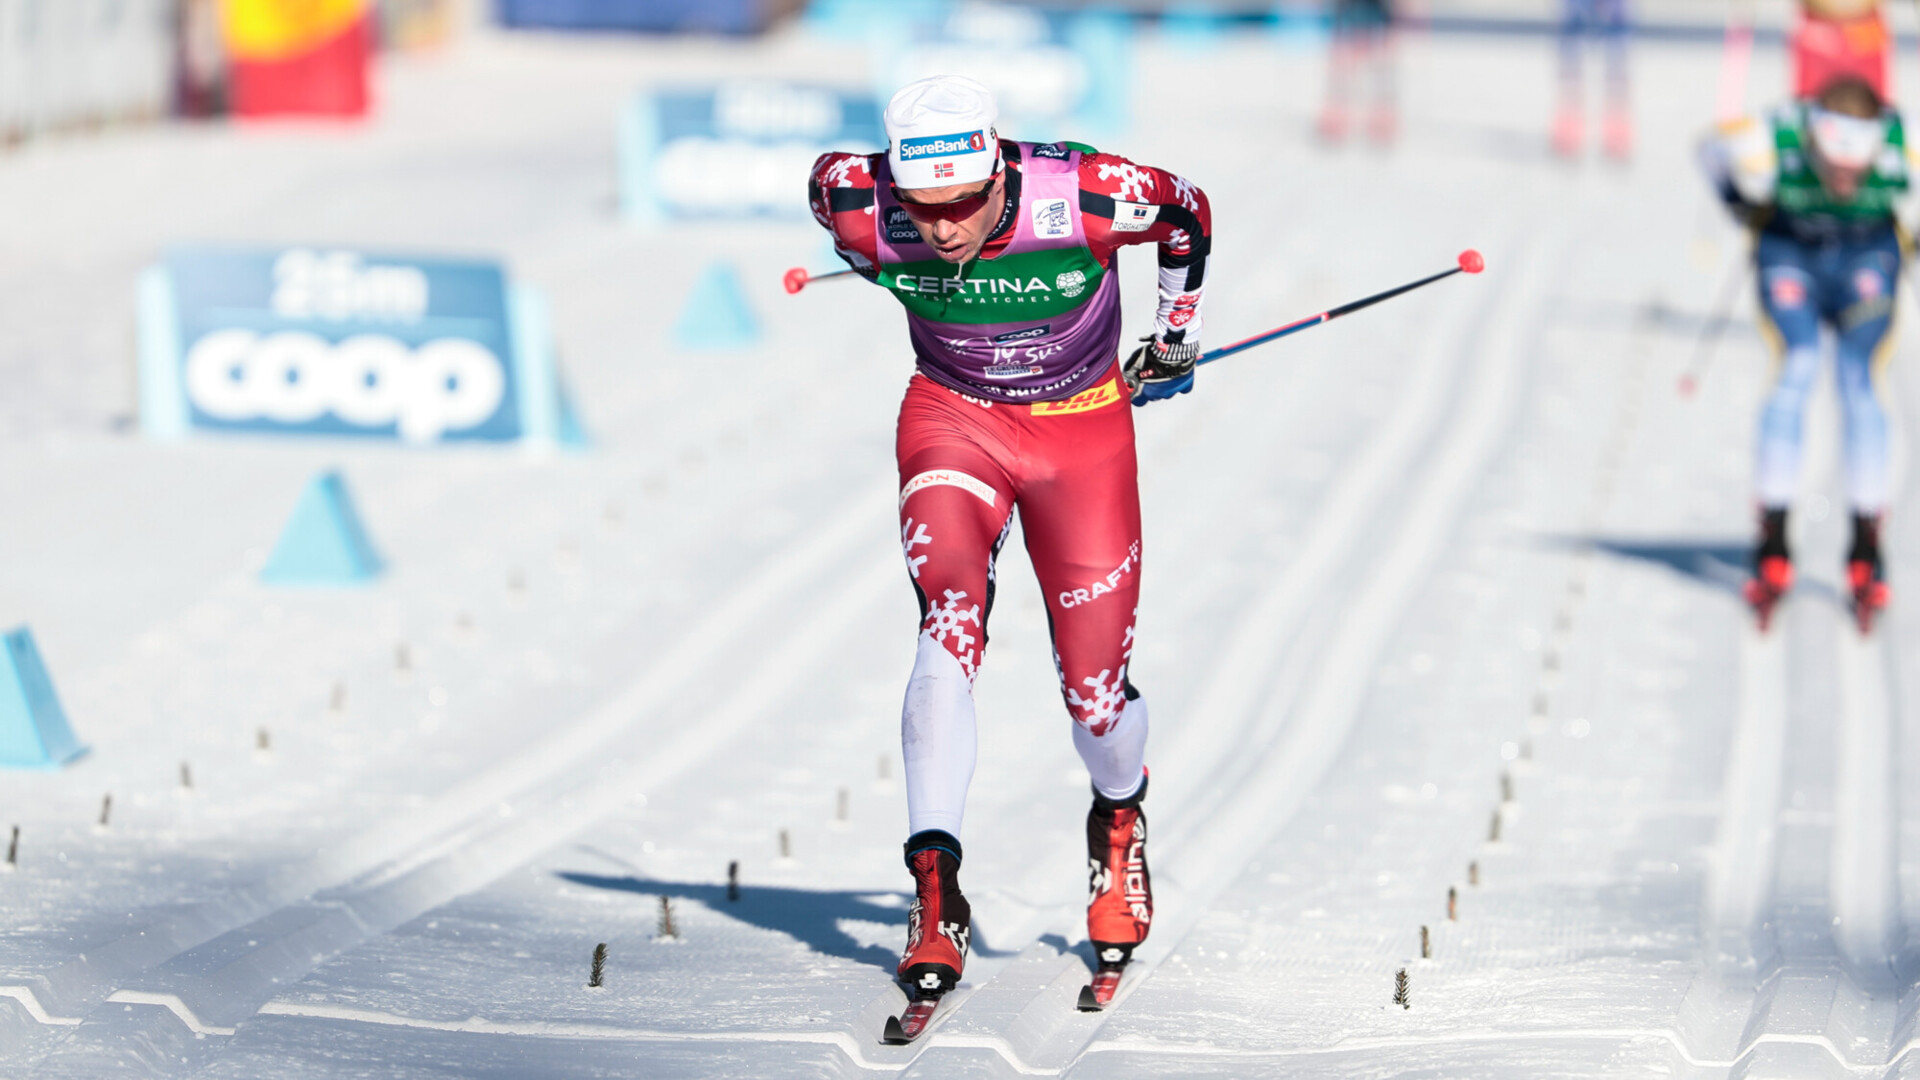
point(740, 149)
point(711, 16)
point(1057, 73)
point(305, 342)
point(75, 63)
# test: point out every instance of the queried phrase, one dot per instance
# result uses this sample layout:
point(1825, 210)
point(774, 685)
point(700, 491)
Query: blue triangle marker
point(572, 434)
point(324, 542)
point(717, 315)
point(34, 733)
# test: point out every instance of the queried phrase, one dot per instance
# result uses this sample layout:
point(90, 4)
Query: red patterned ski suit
point(968, 459)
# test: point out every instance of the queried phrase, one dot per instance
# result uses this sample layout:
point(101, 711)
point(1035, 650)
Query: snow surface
point(1465, 562)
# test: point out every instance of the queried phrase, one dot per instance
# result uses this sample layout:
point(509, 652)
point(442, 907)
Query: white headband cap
point(940, 132)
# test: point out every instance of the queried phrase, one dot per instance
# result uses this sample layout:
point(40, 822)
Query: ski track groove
point(1860, 978)
point(856, 1050)
point(385, 871)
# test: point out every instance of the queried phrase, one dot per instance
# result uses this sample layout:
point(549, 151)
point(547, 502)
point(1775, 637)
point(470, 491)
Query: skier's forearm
point(1177, 318)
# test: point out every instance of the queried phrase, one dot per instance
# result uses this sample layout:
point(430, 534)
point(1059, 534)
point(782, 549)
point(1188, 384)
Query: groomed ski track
point(1475, 537)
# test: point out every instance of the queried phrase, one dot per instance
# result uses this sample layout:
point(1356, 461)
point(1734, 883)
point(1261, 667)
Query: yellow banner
point(279, 29)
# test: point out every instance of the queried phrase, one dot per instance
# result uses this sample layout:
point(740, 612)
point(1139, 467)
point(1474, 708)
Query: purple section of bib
point(1034, 359)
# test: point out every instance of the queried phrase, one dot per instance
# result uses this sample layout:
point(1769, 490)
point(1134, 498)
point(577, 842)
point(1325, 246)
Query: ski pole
point(1703, 349)
point(798, 278)
point(1470, 262)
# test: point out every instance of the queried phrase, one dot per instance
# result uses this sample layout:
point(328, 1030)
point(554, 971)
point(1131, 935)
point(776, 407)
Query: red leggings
point(965, 465)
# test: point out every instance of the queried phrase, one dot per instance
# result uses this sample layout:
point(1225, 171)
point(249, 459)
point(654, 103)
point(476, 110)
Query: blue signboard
point(679, 16)
point(739, 149)
point(1056, 73)
point(331, 342)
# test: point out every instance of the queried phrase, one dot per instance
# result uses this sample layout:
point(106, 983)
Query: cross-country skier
point(1004, 255)
point(1820, 182)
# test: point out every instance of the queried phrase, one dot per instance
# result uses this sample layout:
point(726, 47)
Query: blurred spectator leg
point(1617, 134)
point(1384, 123)
point(203, 63)
point(1569, 121)
point(1341, 60)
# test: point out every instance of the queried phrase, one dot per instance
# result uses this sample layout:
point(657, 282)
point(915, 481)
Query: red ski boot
point(1120, 893)
point(1616, 134)
point(939, 925)
point(1569, 130)
point(1866, 574)
point(1772, 566)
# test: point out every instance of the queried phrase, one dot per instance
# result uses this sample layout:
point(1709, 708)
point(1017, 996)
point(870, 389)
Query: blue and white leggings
point(1849, 286)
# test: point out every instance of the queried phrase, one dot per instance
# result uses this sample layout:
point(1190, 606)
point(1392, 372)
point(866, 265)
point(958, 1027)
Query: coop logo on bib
point(900, 228)
point(1051, 219)
point(1014, 336)
point(1071, 284)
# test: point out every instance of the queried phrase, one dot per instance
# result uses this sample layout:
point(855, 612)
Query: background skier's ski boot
point(939, 926)
point(1569, 129)
point(1331, 128)
point(1616, 133)
point(1772, 566)
point(1383, 125)
point(1120, 891)
point(1866, 574)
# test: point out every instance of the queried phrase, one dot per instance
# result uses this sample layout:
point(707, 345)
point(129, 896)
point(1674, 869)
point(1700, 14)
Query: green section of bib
point(1011, 288)
point(1802, 194)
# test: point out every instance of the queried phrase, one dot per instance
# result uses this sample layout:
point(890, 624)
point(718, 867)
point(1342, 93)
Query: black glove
point(1158, 370)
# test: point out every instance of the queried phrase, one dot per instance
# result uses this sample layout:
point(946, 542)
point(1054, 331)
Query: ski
point(907, 1027)
point(1763, 601)
point(1772, 573)
point(1869, 599)
point(1098, 994)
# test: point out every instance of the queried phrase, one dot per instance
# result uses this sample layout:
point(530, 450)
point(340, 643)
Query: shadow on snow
point(1719, 564)
point(808, 916)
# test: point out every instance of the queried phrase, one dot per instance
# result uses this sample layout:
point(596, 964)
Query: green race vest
point(1800, 194)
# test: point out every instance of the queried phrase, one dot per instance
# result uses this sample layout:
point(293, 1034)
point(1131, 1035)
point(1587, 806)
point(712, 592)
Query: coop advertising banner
point(307, 341)
point(738, 149)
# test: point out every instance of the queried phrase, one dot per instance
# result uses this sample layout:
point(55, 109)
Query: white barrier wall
point(65, 63)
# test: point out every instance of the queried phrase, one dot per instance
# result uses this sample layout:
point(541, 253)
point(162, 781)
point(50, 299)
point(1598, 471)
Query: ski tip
point(795, 279)
point(894, 1035)
point(1088, 1002)
point(1471, 262)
